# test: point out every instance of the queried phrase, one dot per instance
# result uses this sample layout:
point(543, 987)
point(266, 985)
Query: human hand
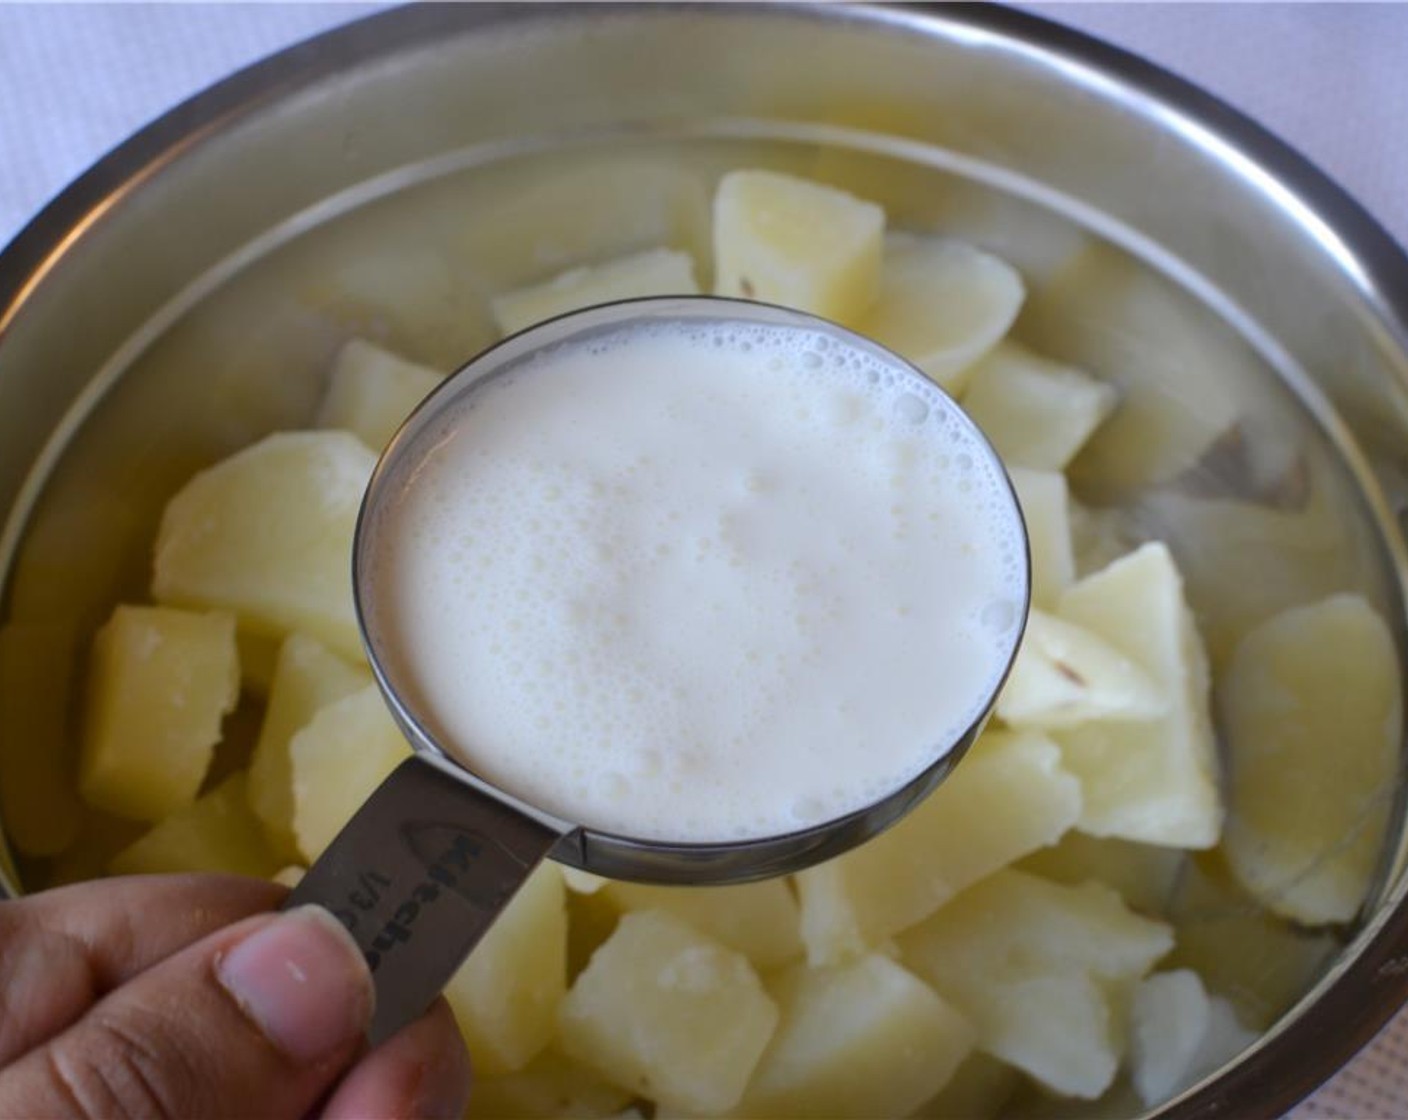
point(182, 996)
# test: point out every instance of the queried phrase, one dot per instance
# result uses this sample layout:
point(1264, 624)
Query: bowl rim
point(1356, 997)
point(1380, 271)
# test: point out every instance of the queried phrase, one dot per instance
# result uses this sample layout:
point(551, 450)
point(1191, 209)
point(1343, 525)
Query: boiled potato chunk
point(267, 533)
point(372, 391)
point(759, 920)
point(1259, 962)
point(506, 994)
point(655, 272)
point(1030, 964)
point(863, 1040)
point(1045, 506)
point(1178, 1034)
point(1060, 1028)
point(307, 677)
point(1243, 562)
point(1154, 781)
point(943, 304)
point(550, 1086)
point(1312, 713)
point(786, 240)
point(1013, 922)
point(1226, 1037)
point(1177, 369)
point(160, 682)
point(664, 1011)
point(335, 763)
point(1035, 412)
point(1146, 875)
point(1064, 676)
point(1169, 1016)
point(215, 833)
point(1008, 797)
point(38, 763)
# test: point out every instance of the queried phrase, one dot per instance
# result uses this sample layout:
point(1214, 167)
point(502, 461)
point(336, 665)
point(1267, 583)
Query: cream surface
point(699, 582)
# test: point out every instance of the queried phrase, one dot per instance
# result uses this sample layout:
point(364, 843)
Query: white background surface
point(1332, 79)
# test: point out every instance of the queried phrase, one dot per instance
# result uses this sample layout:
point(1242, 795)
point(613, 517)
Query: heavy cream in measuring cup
point(700, 582)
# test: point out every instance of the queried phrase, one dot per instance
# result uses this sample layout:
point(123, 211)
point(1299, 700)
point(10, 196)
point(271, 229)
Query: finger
point(419, 1073)
point(256, 1020)
point(126, 925)
point(62, 950)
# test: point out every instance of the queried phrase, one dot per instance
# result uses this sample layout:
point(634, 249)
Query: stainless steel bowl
point(183, 297)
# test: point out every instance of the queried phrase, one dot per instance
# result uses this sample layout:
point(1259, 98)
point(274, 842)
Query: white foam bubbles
point(700, 582)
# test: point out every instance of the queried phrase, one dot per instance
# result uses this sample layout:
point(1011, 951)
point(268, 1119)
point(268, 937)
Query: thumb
point(259, 1019)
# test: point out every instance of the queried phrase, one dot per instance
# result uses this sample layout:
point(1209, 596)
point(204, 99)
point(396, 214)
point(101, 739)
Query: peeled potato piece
point(336, 761)
point(267, 534)
point(1244, 562)
point(943, 304)
point(1146, 875)
point(215, 833)
point(1064, 676)
point(1178, 1033)
point(791, 241)
point(307, 677)
point(1013, 923)
point(1008, 797)
point(506, 994)
point(1169, 1016)
point(1312, 715)
point(1260, 962)
point(759, 920)
point(655, 272)
point(1046, 508)
point(664, 1011)
point(1225, 1038)
point(1036, 413)
point(1031, 963)
point(1154, 781)
point(371, 391)
point(862, 1040)
point(1176, 368)
point(160, 682)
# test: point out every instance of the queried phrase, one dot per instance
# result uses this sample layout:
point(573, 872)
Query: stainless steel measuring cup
point(424, 867)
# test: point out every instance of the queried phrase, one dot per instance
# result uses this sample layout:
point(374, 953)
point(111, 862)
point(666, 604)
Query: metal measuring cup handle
point(417, 877)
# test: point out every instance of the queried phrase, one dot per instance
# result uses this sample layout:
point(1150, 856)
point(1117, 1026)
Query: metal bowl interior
point(185, 297)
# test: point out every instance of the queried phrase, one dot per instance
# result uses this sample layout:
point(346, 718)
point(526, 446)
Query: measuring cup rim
point(618, 854)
